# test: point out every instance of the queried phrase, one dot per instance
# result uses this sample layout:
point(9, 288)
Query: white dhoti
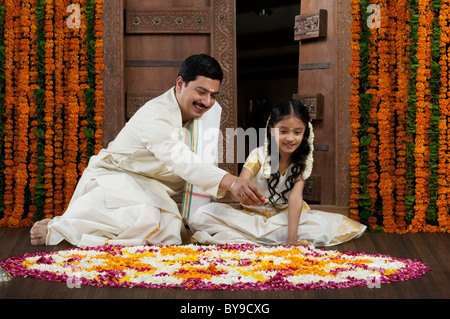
point(93, 220)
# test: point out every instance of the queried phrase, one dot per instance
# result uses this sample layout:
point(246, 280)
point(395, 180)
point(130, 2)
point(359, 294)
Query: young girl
point(285, 218)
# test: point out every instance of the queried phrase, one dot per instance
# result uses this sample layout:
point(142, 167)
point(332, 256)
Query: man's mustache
point(200, 105)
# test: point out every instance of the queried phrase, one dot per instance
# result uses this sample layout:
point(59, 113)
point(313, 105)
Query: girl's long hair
point(280, 111)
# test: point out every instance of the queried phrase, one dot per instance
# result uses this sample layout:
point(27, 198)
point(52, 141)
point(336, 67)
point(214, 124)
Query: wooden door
point(323, 32)
point(146, 42)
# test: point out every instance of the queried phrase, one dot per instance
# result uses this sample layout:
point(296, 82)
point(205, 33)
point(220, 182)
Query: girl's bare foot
point(38, 232)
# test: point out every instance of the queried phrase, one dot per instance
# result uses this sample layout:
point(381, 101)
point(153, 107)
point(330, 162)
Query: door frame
point(223, 48)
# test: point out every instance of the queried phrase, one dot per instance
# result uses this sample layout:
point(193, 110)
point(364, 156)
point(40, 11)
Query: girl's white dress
point(218, 223)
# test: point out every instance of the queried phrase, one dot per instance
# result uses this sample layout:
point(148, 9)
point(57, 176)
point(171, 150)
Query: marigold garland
point(401, 97)
point(423, 101)
point(99, 67)
point(82, 139)
point(364, 138)
point(9, 41)
point(354, 71)
point(46, 74)
point(2, 103)
point(372, 131)
point(433, 131)
point(71, 109)
point(385, 123)
point(403, 168)
point(35, 105)
point(21, 112)
point(373, 168)
point(60, 27)
point(443, 171)
point(49, 65)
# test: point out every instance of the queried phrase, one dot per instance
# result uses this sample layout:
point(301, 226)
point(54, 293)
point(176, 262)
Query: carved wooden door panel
point(143, 59)
point(323, 32)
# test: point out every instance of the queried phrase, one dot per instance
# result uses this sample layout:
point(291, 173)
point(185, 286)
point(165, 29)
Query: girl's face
point(288, 134)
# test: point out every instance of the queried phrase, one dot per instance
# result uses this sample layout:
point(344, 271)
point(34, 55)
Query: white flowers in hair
point(309, 159)
point(266, 165)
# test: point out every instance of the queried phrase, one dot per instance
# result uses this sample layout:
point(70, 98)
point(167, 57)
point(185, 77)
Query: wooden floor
point(432, 249)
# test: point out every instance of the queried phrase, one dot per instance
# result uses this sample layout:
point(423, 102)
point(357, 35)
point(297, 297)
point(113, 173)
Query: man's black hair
point(200, 64)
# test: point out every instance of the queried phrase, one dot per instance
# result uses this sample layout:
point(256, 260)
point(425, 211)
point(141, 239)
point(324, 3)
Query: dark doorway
point(267, 58)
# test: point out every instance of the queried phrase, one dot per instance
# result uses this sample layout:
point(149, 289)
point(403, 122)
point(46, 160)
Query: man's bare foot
point(38, 232)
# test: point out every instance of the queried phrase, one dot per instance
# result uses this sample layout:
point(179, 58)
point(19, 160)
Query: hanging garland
point(35, 104)
point(71, 109)
point(82, 123)
point(49, 69)
point(399, 111)
point(2, 102)
point(99, 67)
point(8, 128)
point(364, 139)
point(372, 131)
point(46, 199)
point(21, 112)
point(422, 151)
point(385, 123)
point(58, 199)
point(38, 129)
point(355, 70)
point(433, 131)
point(401, 97)
point(443, 200)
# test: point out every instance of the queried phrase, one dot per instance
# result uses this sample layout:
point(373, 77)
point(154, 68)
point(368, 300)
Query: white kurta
point(124, 195)
point(217, 223)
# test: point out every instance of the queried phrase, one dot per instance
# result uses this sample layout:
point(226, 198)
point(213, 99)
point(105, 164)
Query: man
point(124, 195)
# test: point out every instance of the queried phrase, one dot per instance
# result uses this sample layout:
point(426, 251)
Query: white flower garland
point(266, 167)
point(309, 159)
point(266, 164)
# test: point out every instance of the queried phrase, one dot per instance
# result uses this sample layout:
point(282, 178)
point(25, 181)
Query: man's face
point(197, 97)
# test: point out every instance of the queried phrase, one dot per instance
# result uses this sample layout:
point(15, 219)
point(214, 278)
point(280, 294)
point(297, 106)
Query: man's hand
point(247, 193)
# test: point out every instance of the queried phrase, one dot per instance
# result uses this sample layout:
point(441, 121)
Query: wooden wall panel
point(113, 75)
point(323, 68)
